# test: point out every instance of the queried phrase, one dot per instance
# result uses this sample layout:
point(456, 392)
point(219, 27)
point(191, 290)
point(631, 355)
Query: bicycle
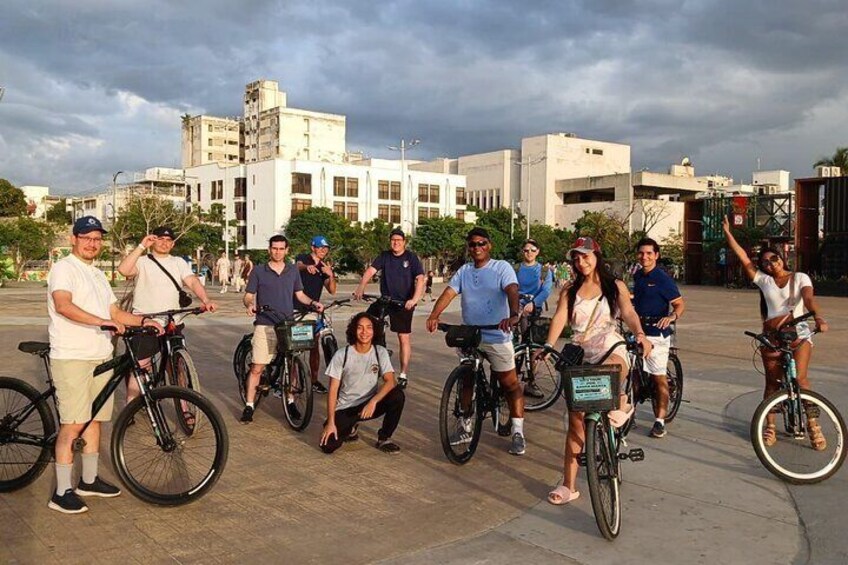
point(175, 365)
point(324, 330)
point(380, 308)
point(287, 375)
point(154, 457)
point(529, 336)
point(595, 390)
point(469, 396)
point(791, 457)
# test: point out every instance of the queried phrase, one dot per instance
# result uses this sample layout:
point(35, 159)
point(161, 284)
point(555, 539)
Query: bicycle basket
point(539, 330)
point(592, 388)
point(144, 346)
point(463, 337)
point(295, 336)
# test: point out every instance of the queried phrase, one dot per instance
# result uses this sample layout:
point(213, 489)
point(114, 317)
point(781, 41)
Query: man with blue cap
point(316, 274)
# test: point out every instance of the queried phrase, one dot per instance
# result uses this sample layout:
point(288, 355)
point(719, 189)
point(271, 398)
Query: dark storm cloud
point(95, 86)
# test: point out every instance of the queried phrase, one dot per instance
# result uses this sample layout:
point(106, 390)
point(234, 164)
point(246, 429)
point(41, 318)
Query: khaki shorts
point(501, 355)
point(76, 389)
point(657, 362)
point(264, 344)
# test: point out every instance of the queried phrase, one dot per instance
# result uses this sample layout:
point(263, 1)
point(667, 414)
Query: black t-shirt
point(399, 272)
point(313, 285)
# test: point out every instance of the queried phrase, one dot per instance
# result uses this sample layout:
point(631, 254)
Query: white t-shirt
point(778, 299)
point(154, 291)
point(360, 375)
point(91, 292)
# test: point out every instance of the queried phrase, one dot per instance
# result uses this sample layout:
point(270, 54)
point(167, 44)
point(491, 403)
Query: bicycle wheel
point(26, 434)
point(674, 375)
point(792, 458)
point(460, 428)
point(500, 415)
point(297, 394)
point(546, 378)
point(329, 346)
point(601, 465)
point(242, 360)
point(181, 373)
point(160, 463)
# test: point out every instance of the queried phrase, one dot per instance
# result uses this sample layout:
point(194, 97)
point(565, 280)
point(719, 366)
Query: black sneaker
point(247, 415)
point(68, 503)
point(658, 430)
point(402, 380)
point(318, 388)
point(294, 413)
point(98, 488)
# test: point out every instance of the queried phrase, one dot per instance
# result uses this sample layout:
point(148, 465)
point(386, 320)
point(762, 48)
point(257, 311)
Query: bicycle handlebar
point(445, 327)
point(171, 313)
point(761, 337)
point(386, 299)
point(130, 331)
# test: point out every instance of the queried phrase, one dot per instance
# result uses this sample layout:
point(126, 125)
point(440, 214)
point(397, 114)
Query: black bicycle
point(469, 395)
point(811, 446)
point(380, 307)
point(324, 329)
point(540, 380)
point(287, 375)
point(154, 456)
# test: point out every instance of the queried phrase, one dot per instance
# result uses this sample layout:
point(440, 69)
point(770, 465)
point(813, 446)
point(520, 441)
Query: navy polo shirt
point(652, 295)
point(276, 291)
point(398, 274)
point(313, 285)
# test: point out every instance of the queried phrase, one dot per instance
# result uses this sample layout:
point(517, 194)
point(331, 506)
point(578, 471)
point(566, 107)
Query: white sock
point(63, 478)
point(402, 377)
point(661, 421)
point(89, 467)
point(249, 404)
point(467, 424)
point(517, 425)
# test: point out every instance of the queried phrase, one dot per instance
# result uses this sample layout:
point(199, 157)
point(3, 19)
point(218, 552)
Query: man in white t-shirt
point(223, 268)
point(154, 290)
point(79, 302)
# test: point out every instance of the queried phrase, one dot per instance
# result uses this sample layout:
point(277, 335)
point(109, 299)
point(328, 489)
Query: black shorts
point(400, 320)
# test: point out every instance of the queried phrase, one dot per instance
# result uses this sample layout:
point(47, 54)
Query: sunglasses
point(771, 259)
point(473, 244)
point(530, 250)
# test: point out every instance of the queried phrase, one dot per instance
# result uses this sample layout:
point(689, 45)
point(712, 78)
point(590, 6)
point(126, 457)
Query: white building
point(38, 199)
point(208, 139)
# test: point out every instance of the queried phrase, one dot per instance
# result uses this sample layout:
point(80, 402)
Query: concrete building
point(38, 200)
point(208, 139)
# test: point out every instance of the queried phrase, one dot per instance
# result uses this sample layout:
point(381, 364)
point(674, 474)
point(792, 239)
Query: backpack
point(376, 353)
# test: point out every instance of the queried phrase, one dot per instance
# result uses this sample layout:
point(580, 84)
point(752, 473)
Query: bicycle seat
point(34, 347)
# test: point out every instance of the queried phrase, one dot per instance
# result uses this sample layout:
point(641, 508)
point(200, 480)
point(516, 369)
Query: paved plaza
point(700, 496)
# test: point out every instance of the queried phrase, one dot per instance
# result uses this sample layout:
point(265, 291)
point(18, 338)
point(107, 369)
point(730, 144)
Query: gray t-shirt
point(360, 376)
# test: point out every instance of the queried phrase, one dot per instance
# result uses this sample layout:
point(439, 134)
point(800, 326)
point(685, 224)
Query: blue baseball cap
point(87, 224)
point(320, 241)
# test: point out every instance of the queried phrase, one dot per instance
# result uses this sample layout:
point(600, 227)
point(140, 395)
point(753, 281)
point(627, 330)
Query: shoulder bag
point(185, 298)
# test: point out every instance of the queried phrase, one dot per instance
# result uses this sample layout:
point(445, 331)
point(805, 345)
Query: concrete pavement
point(700, 495)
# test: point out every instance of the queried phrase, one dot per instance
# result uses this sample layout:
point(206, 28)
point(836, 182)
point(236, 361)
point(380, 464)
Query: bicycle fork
point(792, 419)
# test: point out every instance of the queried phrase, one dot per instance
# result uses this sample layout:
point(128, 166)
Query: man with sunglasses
point(488, 289)
point(535, 280)
point(80, 302)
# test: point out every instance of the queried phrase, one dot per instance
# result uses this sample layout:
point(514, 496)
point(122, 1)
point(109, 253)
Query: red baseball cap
point(584, 245)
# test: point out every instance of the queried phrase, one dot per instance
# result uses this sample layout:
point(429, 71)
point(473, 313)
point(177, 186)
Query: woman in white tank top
point(785, 295)
point(595, 297)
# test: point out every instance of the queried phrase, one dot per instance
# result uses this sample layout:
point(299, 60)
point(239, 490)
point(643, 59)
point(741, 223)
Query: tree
point(672, 248)
point(346, 239)
point(497, 222)
point(838, 159)
point(58, 214)
point(144, 213)
point(442, 238)
point(12, 200)
point(24, 239)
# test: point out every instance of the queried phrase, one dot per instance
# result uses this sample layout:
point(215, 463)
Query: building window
point(460, 215)
point(394, 191)
point(460, 196)
point(394, 214)
point(346, 186)
point(383, 212)
point(387, 213)
point(299, 206)
point(597, 151)
point(339, 208)
point(352, 212)
point(383, 190)
point(301, 183)
point(241, 187)
point(428, 193)
point(241, 212)
point(209, 156)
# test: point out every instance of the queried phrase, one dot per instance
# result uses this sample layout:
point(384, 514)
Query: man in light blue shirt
point(488, 290)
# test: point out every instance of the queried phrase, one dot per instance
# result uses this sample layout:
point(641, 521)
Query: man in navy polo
point(403, 280)
point(276, 284)
point(654, 294)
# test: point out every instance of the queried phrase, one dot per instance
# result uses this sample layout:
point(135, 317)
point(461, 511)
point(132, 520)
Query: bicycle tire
point(450, 412)
point(183, 374)
point(17, 396)
point(601, 464)
point(500, 414)
point(775, 458)
point(298, 386)
point(136, 453)
point(242, 359)
point(329, 346)
point(548, 379)
point(674, 375)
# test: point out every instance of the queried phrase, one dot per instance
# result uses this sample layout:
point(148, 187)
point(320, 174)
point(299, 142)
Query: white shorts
point(501, 355)
point(657, 362)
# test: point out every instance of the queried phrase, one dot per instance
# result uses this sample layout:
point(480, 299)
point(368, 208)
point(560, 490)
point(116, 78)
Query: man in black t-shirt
point(402, 278)
point(316, 273)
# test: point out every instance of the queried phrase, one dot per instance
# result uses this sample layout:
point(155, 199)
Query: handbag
point(185, 298)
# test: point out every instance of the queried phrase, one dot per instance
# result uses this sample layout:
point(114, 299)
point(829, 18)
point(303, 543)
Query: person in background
point(428, 286)
point(238, 281)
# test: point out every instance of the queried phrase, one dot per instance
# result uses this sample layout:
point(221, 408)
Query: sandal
point(562, 495)
point(770, 435)
point(817, 439)
point(388, 446)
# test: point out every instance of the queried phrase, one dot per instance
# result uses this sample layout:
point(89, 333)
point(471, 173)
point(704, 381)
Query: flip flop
point(562, 495)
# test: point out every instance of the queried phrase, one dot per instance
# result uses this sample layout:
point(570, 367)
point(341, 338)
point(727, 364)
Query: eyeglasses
point(97, 240)
point(530, 250)
point(473, 244)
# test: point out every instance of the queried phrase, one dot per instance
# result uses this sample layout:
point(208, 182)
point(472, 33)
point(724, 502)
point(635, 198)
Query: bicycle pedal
point(581, 459)
point(634, 455)
point(263, 388)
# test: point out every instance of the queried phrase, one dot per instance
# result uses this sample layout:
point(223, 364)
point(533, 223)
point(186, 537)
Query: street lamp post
point(529, 164)
point(114, 215)
point(403, 148)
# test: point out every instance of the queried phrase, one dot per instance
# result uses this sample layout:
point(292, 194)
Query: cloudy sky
point(96, 86)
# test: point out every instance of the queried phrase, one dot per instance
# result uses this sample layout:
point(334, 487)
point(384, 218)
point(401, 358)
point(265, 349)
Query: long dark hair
point(609, 287)
point(350, 333)
point(760, 255)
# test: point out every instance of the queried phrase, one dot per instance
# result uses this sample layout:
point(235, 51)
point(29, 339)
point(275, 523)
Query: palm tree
point(839, 159)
